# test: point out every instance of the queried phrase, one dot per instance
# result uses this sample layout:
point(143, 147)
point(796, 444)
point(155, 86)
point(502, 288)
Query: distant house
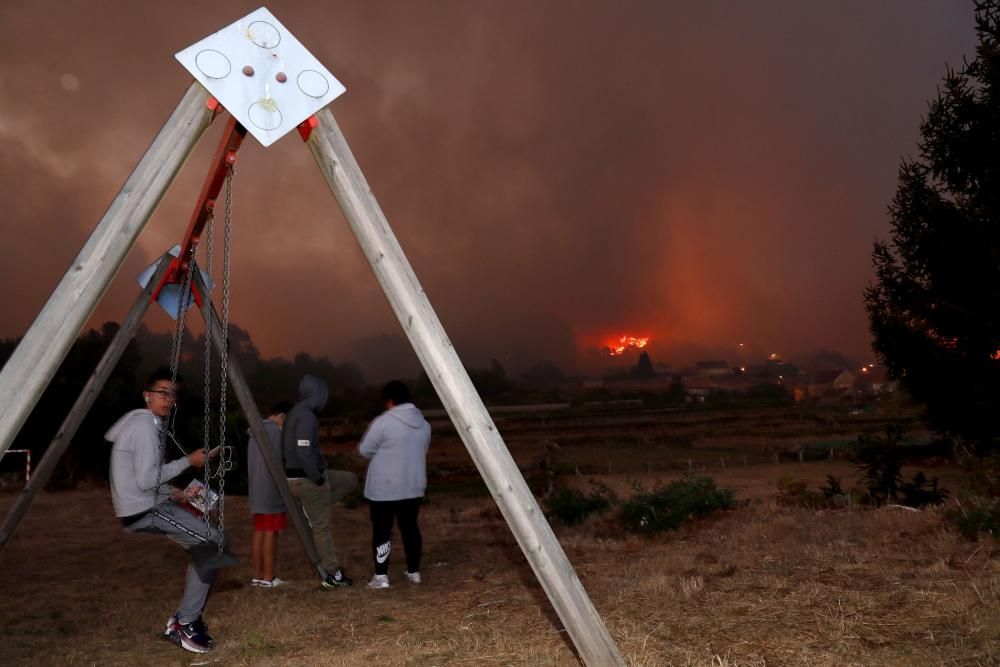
point(699, 387)
point(712, 368)
point(874, 380)
point(832, 386)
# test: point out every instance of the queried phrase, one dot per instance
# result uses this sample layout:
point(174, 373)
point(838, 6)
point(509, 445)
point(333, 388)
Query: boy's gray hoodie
point(396, 442)
point(135, 458)
point(264, 495)
point(300, 435)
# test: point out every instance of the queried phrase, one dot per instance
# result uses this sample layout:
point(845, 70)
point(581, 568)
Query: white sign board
point(262, 75)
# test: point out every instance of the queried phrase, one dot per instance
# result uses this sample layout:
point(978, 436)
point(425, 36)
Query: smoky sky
point(706, 174)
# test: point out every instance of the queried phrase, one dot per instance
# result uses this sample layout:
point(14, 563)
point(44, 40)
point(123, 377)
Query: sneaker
point(414, 577)
point(199, 625)
point(337, 580)
point(268, 583)
point(194, 637)
point(379, 581)
point(170, 632)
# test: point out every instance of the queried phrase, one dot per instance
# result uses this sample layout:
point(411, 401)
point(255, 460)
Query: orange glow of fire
point(618, 346)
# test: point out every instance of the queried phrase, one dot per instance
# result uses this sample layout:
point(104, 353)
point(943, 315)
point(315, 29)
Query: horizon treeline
point(270, 380)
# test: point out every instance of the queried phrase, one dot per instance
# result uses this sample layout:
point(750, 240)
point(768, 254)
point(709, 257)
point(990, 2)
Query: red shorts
point(271, 523)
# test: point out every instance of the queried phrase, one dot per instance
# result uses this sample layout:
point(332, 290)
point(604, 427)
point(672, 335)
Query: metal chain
point(226, 453)
point(183, 302)
point(206, 312)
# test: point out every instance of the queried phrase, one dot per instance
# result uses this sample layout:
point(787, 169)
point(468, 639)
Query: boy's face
point(160, 397)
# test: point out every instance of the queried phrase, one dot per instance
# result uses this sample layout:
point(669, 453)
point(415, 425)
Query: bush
point(795, 493)
point(881, 465)
point(922, 491)
point(571, 506)
point(669, 506)
point(978, 516)
point(982, 472)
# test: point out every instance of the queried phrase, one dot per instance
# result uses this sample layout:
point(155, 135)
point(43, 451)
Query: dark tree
point(644, 367)
point(934, 307)
point(543, 375)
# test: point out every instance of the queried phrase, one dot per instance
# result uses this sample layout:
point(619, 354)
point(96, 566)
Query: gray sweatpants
point(189, 531)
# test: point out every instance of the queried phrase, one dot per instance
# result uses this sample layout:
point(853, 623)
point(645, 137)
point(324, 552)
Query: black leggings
point(405, 513)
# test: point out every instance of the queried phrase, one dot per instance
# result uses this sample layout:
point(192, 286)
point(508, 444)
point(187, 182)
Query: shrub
point(982, 472)
point(571, 506)
point(795, 492)
point(978, 516)
point(880, 463)
point(669, 506)
point(922, 491)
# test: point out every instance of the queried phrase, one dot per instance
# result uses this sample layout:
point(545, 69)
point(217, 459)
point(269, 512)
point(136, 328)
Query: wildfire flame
point(617, 346)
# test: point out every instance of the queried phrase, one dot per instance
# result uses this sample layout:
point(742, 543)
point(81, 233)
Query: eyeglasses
point(163, 393)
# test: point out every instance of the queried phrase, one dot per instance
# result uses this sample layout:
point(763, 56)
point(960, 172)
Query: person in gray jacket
point(396, 444)
point(315, 487)
point(144, 507)
point(266, 505)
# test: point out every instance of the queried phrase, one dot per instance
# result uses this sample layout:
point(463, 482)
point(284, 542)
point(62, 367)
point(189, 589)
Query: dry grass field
point(764, 584)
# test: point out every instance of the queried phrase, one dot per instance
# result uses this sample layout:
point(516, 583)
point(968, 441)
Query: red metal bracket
point(306, 127)
point(222, 162)
point(214, 106)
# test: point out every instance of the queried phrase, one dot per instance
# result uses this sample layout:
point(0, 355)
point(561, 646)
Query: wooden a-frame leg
point(37, 357)
point(459, 396)
point(85, 401)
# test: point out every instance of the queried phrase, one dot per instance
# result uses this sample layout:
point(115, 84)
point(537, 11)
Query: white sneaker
point(268, 583)
point(414, 577)
point(379, 581)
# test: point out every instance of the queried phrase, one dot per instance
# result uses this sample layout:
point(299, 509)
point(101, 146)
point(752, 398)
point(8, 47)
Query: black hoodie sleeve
point(300, 444)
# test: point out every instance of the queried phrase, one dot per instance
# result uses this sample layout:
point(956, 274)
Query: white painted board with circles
point(262, 75)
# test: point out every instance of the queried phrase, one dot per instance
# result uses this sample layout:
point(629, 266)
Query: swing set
point(257, 71)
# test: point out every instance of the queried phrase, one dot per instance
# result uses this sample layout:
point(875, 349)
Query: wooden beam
point(43, 348)
point(464, 406)
point(85, 401)
point(244, 396)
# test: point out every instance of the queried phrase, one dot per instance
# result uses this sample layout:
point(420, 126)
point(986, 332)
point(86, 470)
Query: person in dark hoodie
point(315, 487)
point(396, 444)
point(137, 467)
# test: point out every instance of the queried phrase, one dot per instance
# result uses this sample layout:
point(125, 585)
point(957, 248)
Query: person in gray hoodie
point(396, 445)
point(143, 507)
point(266, 505)
point(316, 488)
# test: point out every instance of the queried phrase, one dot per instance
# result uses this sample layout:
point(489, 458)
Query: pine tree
point(644, 367)
point(934, 308)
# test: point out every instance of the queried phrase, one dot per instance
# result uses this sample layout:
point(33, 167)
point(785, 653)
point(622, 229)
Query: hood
point(116, 430)
point(313, 391)
point(408, 414)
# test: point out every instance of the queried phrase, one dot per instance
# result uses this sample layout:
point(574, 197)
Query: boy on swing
point(143, 507)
